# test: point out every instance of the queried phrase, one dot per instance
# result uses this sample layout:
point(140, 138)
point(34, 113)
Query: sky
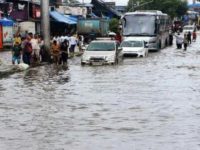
point(118, 2)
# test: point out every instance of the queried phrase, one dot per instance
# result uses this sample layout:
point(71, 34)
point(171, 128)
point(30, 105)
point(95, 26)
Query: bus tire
point(82, 64)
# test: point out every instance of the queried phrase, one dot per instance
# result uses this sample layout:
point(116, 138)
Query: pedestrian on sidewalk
point(36, 49)
point(185, 41)
point(17, 39)
point(16, 53)
point(27, 50)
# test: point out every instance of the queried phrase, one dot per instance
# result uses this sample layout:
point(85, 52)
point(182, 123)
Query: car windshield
point(101, 46)
point(132, 44)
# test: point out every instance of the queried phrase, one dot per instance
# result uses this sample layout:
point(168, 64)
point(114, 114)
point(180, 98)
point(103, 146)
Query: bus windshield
point(142, 25)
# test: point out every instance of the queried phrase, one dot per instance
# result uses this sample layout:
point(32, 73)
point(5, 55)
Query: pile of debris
point(6, 70)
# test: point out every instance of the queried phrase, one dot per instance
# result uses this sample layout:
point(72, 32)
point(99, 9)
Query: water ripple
point(140, 104)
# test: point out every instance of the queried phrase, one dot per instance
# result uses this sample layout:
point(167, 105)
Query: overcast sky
point(118, 2)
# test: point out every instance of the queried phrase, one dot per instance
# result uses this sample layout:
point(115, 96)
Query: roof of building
point(63, 18)
point(100, 8)
point(194, 5)
point(6, 22)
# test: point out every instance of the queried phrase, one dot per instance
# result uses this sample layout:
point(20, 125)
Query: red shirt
point(118, 38)
point(194, 34)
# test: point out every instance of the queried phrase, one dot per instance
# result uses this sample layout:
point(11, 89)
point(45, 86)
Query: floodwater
point(148, 103)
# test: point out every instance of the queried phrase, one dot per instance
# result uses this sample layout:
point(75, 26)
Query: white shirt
point(35, 44)
point(56, 39)
point(179, 39)
point(73, 40)
point(66, 38)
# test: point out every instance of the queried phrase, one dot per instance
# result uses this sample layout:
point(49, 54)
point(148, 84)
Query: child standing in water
point(16, 53)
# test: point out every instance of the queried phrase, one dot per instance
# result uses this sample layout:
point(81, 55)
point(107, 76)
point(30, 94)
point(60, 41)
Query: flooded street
point(141, 104)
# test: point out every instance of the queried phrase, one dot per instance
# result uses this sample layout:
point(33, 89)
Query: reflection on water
point(141, 104)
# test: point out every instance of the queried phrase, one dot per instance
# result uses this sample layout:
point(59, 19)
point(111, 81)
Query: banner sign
point(7, 34)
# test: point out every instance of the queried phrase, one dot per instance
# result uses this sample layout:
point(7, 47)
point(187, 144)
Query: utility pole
point(132, 7)
point(134, 4)
point(45, 25)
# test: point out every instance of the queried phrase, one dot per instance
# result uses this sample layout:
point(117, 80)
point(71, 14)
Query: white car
point(134, 47)
point(189, 28)
point(100, 52)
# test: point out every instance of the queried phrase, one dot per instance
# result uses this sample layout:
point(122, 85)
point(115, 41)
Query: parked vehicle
point(189, 28)
point(152, 26)
point(100, 52)
point(134, 47)
point(92, 28)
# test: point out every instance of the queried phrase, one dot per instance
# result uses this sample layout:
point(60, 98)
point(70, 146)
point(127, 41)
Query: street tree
point(133, 3)
point(114, 24)
point(175, 8)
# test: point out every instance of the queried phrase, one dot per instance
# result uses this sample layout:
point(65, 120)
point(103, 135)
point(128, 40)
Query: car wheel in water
point(114, 63)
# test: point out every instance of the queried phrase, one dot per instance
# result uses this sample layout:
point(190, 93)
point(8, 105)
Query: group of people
point(185, 40)
point(61, 45)
point(29, 48)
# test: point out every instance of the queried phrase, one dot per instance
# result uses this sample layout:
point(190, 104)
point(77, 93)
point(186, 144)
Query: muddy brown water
point(148, 103)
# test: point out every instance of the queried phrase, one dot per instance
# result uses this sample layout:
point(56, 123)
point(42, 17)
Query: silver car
point(100, 52)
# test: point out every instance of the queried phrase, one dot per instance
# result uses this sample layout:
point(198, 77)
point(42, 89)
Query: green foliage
point(133, 3)
point(175, 8)
point(114, 24)
point(182, 9)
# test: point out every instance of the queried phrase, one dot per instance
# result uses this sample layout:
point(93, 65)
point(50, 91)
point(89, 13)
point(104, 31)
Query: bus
point(151, 26)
